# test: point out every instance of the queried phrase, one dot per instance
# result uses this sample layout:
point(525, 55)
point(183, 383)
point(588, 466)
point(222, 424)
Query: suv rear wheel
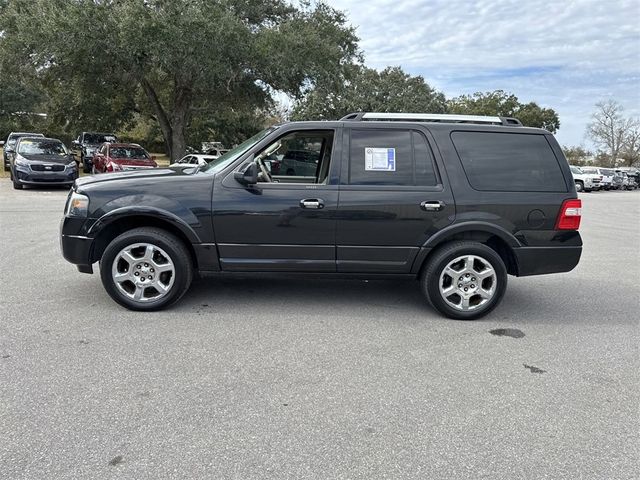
point(146, 269)
point(464, 280)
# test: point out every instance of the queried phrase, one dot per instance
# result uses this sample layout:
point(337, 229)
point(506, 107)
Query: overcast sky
point(560, 53)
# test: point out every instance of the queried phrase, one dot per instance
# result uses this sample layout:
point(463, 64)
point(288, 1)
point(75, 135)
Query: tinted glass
point(390, 157)
point(425, 172)
point(513, 162)
point(95, 138)
point(128, 152)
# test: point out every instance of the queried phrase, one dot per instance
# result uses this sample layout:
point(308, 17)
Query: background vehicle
point(606, 185)
point(88, 143)
point(194, 160)
point(617, 182)
point(42, 161)
point(213, 149)
point(625, 180)
point(382, 200)
point(584, 181)
point(9, 145)
point(114, 157)
point(633, 175)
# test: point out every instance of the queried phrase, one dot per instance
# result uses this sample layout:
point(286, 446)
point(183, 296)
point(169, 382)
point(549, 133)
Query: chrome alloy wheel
point(143, 272)
point(467, 282)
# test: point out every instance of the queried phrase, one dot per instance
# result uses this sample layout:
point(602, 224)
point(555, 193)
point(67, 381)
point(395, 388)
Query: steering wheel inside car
point(265, 171)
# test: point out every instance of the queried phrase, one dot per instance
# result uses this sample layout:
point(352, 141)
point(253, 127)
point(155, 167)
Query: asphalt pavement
point(252, 378)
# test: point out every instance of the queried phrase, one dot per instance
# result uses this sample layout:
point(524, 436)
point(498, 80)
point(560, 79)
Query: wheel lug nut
point(150, 277)
point(139, 266)
point(473, 286)
point(152, 270)
point(459, 285)
point(473, 279)
point(146, 264)
point(467, 275)
point(137, 273)
point(465, 289)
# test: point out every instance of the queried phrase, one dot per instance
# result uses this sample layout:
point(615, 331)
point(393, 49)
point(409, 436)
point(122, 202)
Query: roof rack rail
point(430, 117)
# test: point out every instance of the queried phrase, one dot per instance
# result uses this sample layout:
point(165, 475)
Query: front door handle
point(314, 203)
point(432, 206)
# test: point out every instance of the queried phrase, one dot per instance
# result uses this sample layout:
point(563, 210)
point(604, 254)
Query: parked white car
point(195, 160)
point(606, 173)
point(585, 182)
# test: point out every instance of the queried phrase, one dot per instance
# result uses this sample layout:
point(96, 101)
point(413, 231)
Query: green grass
point(162, 160)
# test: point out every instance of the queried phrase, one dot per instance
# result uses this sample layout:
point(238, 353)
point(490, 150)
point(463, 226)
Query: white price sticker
point(380, 159)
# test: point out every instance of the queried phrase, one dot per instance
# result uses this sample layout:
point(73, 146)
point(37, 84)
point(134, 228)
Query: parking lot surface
point(291, 379)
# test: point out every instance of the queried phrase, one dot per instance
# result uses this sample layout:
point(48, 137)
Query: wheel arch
point(498, 239)
point(110, 229)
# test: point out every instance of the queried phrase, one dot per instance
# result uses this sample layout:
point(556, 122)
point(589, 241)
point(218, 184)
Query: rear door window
point(509, 162)
point(390, 157)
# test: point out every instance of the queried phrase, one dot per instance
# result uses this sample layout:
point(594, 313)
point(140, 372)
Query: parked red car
point(115, 157)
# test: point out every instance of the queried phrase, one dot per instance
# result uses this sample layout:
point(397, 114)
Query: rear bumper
point(542, 260)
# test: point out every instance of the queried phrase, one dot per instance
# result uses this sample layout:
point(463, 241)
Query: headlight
point(71, 164)
point(21, 162)
point(77, 205)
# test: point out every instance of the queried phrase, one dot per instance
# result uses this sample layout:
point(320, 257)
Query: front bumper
point(76, 249)
point(26, 176)
point(542, 260)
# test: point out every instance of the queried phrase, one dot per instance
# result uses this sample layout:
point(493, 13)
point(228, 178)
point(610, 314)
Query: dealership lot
point(275, 378)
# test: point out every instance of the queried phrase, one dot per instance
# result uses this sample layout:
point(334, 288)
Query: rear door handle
point(432, 206)
point(313, 203)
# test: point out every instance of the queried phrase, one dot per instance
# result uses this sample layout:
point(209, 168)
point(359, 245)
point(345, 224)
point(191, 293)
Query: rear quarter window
point(508, 162)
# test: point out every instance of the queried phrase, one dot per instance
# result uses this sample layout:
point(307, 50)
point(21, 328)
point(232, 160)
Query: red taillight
point(570, 215)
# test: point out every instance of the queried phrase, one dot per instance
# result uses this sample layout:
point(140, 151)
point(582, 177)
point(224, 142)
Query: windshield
point(233, 154)
point(128, 152)
point(95, 138)
point(41, 147)
point(576, 170)
point(13, 139)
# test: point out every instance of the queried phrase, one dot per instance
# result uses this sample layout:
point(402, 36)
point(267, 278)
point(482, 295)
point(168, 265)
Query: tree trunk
point(173, 127)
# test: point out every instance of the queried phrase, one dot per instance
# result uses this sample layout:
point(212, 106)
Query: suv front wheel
point(464, 280)
point(146, 269)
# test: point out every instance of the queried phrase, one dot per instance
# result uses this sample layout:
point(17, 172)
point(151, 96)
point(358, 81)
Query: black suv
point(455, 201)
point(88, 144)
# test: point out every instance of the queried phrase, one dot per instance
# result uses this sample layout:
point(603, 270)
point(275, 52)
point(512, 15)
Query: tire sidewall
point(442, 259)
point(168, 243)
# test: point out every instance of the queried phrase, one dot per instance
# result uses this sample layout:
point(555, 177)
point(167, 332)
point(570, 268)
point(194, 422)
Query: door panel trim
point(395, 259)
point(277, 258)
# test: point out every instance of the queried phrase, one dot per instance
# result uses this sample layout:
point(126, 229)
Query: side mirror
point(75, 143)
point(153, 157)
point(248, 174)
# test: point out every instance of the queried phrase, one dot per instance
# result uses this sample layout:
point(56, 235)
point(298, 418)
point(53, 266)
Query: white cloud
point(563, 54)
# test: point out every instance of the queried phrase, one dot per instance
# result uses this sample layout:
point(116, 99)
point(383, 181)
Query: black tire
point(85, 167)
point(430, 278)
point(16, 185)
point(173, 247)
point(579, 186)
point(6, 167)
